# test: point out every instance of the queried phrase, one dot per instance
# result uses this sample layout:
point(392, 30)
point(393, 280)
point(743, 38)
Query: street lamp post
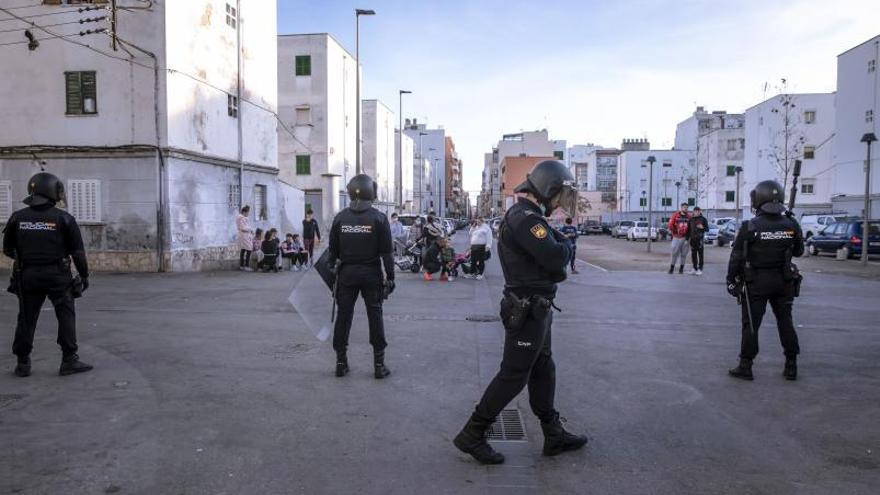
point(677, 193)
point(651, 161)
point(357, 67)
point(867, 139)
point(400, 150)
point(739, 171)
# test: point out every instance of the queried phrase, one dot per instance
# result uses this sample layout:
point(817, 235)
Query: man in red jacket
point(678, 227)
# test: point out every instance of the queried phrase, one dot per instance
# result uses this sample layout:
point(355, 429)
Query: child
point(293, 250)
point(257, 253)
point(571, 233)
point(270, 251)
point(447, 256)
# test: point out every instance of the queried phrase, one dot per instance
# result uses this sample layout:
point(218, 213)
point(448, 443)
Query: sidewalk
point(210, 384)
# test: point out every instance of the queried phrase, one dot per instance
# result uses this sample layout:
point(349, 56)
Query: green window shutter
point(73, 91)
point(692, 201)
point(303, 165)
point(303, 65)
point(730, 196)
point(731, 170)
point(88, 81)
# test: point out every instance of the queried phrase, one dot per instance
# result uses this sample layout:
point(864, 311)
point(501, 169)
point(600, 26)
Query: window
point(730, 196)
point(5, 200)
point(231, 16)
point(303, 164)
point(872, 65)
point(666, 202)
point(761, 120)
point(260, 202)
point(731, 170)
point(692, 201)
point(303, 115)
point(807, 188)
point(499, 204)
point(81, 91)
point(494, 173)
point(810, 117)
point(84, 200)
point(731, 145)
point(559, 155)
point(667, 163)
point(809, 152)
point(234, 196)
point(304, 65)
point(232, 106)
point(869, 116)
point(643, 201)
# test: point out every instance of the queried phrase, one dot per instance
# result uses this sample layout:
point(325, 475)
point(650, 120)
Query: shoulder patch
point(539, 231)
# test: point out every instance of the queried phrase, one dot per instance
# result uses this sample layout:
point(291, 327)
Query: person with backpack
point(678, 228)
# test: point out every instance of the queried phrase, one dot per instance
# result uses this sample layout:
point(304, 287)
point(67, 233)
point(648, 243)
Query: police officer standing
point(42, 240)
point(360, 239)
point(533, 258)
point(760, 271)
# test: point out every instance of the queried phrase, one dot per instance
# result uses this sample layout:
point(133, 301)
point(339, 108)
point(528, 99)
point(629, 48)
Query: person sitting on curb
point(449, 270)
point(431, 261)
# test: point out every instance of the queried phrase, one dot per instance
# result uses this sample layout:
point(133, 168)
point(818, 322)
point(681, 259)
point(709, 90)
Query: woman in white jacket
point(481, 243)
point(244, 238)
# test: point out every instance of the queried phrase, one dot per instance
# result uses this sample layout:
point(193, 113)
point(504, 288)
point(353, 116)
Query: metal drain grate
point(7, 399)
point(508, 427)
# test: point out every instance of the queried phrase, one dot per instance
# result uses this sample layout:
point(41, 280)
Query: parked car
point(408, 219)
point(449, 224)
point(727, 233)
point(640, 231)
point(606, 227)
point(813, 224)
point(847, 236)
point(621, 228)
point(590, 227)
point(720, 221)
point(711, 236)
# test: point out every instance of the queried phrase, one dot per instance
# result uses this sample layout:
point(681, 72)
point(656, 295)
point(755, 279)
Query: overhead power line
point(81, 21)
point(22, 17)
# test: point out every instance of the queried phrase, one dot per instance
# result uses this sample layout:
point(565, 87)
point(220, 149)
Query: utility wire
point(31, 25)
point(58, 36)
point(22, 18)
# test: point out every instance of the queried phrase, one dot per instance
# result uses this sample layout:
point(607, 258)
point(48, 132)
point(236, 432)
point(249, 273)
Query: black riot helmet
point(768, 197)
point(362, 190)
point(552, 183)
point(44, 188)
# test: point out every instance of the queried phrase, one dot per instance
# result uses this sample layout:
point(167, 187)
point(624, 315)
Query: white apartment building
point(858, 113)
point(156, 162)
point(808, 136)
point(429, 180)
point(407, 166)
point(378, 151)
point(317, 103)
point(673, 171)
point(529, 143)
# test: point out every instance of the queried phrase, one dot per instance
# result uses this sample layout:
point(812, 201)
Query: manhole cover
point(482, 318)
point(7, 399)
point(508, 427)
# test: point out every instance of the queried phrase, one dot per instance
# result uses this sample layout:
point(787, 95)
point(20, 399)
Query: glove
point(389, 284)
point(733, 287)
point(85, 282)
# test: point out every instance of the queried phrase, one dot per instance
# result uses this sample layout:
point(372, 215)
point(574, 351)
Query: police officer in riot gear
point(360, 239)
point(533, 258)
point(42, 240)
point(760, 271)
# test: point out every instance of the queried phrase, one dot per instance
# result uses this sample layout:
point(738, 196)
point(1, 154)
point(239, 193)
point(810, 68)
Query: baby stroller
point(407, 255)
point(463, 260)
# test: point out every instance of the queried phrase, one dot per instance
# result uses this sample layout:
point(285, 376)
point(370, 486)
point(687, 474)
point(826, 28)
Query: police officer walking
point(42, 240)
point(360, 239)
point(533, 258)
point(760, 271)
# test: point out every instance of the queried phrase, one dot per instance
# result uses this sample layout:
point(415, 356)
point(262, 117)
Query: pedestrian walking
point(533, 258)
point(760, 271)
point(245, 238)
point(360, 239)
point(311, 235)
point(678, 228)
point(571, 233)
point(43, 240)
point(480, 243)
point(697, 227)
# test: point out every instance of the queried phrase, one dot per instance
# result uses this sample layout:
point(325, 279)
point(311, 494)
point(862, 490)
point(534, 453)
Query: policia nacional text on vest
point(360, 247)
point(42, 240)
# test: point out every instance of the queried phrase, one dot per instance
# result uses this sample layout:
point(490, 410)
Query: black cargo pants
point(40, 282)
point(366, 282)
point(769, 286)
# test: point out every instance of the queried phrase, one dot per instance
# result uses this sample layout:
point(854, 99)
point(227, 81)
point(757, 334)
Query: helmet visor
point(566, 198)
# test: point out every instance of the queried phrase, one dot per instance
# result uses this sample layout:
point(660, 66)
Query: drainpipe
point(239, 105)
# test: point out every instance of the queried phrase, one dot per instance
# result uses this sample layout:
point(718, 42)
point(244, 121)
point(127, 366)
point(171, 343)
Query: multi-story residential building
point(429, 181)
point(672, 170)
point(521, 144)
point(785, 128)
point(378, 151)
point(317, 105)
point(405, 161)
point(490, 200)
point(513, 173)
point(453, 196)
point(858, 113)
point(159, 137)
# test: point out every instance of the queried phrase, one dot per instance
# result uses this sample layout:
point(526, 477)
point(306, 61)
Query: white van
point(813, 224)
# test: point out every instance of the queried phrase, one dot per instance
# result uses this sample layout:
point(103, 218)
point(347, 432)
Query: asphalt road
point(212, 384)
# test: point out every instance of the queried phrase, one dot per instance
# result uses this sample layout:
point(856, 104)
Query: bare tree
point(786, 142)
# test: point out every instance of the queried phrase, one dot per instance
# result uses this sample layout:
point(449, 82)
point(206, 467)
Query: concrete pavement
point(211, 384)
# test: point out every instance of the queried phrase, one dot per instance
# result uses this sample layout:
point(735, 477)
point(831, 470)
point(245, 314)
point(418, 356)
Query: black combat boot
point(23, 368)
point(380, 371)
point(671, 268)
point(341, 364)
point(71, 365)
point(790, 371)
point(680, 269)
point(472, 440)
point(743, 371)
point(557, 440)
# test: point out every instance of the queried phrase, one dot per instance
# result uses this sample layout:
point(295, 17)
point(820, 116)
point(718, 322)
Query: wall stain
point(199, 121)
point(206, 15)
point(129, 233)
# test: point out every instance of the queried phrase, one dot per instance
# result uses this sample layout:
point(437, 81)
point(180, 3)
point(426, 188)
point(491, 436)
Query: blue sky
point(588, 71)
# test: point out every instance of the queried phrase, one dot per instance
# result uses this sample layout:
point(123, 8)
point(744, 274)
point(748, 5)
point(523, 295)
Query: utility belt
point(62, 264)
point(516, 310)
point(790, 273)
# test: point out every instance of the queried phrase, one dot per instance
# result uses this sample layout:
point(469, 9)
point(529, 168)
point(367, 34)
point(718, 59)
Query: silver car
point(621, 228)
